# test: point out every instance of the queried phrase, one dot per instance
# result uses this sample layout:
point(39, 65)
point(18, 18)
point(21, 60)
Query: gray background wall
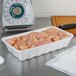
point(46, 8)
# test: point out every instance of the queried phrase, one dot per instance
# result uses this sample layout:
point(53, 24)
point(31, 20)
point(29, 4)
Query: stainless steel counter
point(35, 66)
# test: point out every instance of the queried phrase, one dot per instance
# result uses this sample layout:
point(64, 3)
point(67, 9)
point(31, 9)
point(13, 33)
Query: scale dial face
point(16, 11)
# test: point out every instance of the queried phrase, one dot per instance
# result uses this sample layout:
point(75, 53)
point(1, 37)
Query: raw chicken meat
point(36, 39)
point(12, 40)
point(21, 44)
point(42, 35)
point(44, 41)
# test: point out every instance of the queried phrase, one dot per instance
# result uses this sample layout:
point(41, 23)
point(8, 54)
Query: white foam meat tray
point(37, 51)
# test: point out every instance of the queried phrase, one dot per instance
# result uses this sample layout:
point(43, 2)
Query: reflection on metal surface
point(14, 65)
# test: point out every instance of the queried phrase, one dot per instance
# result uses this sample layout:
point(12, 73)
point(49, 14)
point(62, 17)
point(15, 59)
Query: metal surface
point(32, 67)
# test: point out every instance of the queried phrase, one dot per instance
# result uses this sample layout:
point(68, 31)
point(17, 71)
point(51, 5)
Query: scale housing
point(17, 15)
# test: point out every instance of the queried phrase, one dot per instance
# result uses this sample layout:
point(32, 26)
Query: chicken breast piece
point(52, 31)
point(12, 40)
point(22, 45)
point(16, 46)
point(25, 37)
point(32, 42)
point(64, 34)
point(44, 41)
point(56, 38)
point(42, 35)
point(19, 38)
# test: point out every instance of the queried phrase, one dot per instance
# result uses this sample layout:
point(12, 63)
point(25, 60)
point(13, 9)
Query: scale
point(17, 15)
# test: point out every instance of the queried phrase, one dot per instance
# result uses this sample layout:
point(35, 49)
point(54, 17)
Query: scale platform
point(12, 29)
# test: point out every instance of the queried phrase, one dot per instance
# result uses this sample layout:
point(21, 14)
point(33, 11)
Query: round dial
point(16, 11)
